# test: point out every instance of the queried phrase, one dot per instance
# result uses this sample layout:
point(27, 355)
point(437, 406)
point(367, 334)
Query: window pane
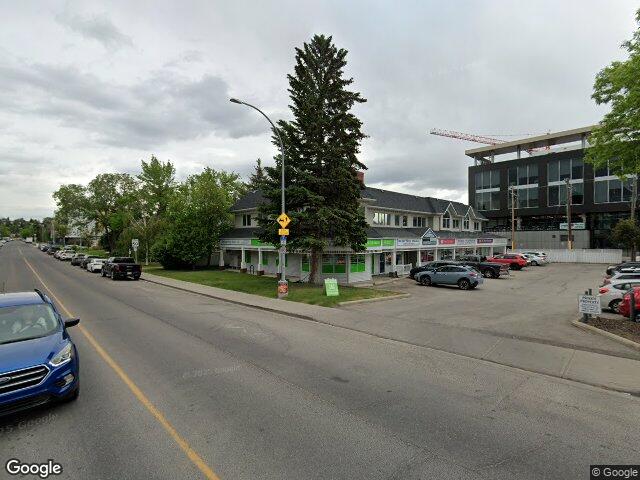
point(577, 193)
point(562, 194)
point(513, 175)
point(495, 179)
point(397, 220)
point(533, 174)
point(602, 172)
point(479, 203)
point(553, 172)
point(553, 196)
point(522, 197)
point(533, 197)
point(600, 192)
point(615, 191)
point(486, 179)
point(565, 169)
point(626, 190)
point(522, 175)
point(576, 168)
point(478, 180)
point(495, 200)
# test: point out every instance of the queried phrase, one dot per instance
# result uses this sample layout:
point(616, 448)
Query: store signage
point(429, 238)
point(226, 242)
point(331, 287)
point(447, 241)
point(408, 242)
point(465, 241)
point(485, 240)
point(574, 226)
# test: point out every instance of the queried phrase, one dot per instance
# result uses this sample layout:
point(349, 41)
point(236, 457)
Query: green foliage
point(617, 138)
point(626, 233)
point(257, 178)
point(197, 215)
point(321, 143)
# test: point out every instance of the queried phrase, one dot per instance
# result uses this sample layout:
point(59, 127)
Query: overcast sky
point(90, 86)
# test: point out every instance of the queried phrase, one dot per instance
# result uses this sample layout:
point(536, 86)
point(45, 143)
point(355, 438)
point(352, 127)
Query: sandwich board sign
point(331, 287)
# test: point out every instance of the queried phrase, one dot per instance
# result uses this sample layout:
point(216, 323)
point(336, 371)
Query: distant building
point(404, 231)
point(537, 168)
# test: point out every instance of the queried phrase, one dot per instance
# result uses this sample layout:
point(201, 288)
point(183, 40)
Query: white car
point(536, 258)
point(66, 255)
point(95, 265)
point(612, 293)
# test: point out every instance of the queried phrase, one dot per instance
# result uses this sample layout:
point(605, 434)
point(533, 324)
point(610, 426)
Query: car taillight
point(473, 274)
point(603, 290)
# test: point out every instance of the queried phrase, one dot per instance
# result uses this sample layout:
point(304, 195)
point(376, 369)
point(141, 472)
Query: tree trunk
point(314, 266)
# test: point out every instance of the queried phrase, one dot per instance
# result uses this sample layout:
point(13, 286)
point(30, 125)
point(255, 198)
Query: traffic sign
point(283, 232)
point(283, 240)
point(135, 243)
point(284, 220)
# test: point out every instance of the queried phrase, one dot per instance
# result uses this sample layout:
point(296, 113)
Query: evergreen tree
point(321, 142)
point(257, 177)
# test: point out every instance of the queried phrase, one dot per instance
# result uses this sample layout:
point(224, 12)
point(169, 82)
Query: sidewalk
point(615, 373)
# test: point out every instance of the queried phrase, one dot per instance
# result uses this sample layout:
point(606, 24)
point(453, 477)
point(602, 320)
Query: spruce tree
point(321, 144)
point(257, 177)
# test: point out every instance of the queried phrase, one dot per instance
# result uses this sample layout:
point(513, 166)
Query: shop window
point(265, 259)
point(333, 264)
point(247, 256)
point(306, 263)
point(357, 264)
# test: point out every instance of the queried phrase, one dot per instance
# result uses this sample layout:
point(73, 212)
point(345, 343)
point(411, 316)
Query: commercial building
point(404, 231)
point(535, 172)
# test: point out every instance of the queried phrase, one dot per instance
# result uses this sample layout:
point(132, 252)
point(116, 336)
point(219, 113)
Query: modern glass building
point(534, 173)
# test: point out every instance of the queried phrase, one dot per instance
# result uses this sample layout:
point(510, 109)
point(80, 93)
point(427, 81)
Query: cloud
point(161, 108)
point(97, 27)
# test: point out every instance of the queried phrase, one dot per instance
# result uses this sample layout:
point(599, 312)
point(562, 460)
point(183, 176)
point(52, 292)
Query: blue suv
point(38, 361)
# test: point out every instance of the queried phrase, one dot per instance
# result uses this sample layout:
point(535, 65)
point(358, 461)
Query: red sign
point(447, 241)
point(485, 240)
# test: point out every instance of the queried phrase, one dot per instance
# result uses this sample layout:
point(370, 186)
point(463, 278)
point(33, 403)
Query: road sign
point(284, 220)
point(589, 304)
point(135, 243)
point(283, 232)
point(331, 287)
point(283, 240)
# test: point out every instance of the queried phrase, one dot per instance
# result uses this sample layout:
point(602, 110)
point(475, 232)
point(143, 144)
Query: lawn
point(94, 251)
point(267, 286)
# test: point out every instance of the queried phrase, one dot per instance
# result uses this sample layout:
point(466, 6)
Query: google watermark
point(48, 469)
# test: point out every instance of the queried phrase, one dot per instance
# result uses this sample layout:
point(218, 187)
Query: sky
point(89, 87)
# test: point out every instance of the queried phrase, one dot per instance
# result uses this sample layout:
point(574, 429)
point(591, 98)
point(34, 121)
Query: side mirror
point(71, 322)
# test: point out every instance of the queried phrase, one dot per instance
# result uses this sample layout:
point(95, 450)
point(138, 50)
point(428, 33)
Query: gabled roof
point(249, 201)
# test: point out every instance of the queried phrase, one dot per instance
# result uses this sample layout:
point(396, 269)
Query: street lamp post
point(283, 289)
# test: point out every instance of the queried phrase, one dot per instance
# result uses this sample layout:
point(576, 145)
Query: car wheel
point(464, 284)
point(425, 280)
point(487, 273)
point(515, 266)
point(614, 305)
point(534, 263)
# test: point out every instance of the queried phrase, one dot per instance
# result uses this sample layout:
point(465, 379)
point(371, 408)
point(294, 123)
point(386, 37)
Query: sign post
point(283, 286)
point(135, 243)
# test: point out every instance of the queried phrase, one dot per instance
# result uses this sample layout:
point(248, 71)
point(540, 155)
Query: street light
point(283, 289)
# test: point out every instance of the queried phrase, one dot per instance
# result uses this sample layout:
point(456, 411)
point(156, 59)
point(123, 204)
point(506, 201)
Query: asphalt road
point(195, 384)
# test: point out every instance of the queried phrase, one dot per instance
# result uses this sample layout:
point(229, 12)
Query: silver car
point(536, 258)
point(612, 293)
point(466, 278)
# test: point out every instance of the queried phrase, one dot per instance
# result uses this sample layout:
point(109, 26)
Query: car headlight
point(63, 356)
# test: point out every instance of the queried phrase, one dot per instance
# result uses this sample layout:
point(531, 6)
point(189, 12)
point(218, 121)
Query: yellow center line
point(144, 400)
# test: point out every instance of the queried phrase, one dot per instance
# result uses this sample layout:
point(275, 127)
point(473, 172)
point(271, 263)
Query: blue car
point(38, 361)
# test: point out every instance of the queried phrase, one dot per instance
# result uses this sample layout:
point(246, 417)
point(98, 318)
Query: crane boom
point(466, 136)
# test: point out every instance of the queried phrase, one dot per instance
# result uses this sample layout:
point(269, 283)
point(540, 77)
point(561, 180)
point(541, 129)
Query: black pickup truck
point(121, 267)
point(487, 269)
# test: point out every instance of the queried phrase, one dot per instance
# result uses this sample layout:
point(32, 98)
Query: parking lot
point(536, 303)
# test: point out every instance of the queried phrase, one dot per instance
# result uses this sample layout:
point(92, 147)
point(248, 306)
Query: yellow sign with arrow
point(284, 220)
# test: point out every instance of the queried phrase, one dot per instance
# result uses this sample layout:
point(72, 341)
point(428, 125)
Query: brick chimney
point(360, 177)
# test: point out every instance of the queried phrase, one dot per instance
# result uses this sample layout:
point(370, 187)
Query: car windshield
point(23, 322)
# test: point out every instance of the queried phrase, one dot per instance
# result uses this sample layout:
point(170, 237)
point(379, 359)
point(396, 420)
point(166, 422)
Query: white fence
point(584, 255)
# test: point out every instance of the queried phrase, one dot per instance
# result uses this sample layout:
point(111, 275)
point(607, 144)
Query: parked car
point(535, 259)
point(515, 260)
point(77, 258)
point(95, 264)
point(121, 267)
point(611, 268)
point(428, 266)
point(38, 360)
point(65, 255)
point(625, 306)
point(611, 294)
point(465, 278)
point(632, 275)
point(487, 269)
point(85, 261)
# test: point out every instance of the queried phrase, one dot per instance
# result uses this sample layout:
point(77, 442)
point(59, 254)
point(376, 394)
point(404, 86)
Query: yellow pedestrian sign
point(283, 232)
point(284, 220)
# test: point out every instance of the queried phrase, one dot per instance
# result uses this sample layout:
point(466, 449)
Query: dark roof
point(19, 298)
point(381, 198)
point(251, 232)
point(248, 201)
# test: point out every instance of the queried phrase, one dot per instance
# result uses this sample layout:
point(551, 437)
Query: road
point(175, 385)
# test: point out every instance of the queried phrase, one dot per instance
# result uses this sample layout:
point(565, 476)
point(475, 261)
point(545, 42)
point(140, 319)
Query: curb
point(374, 299)
point(604, 333)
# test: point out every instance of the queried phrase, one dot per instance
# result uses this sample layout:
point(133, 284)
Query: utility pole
point(569, 238)
point(634, 199)
point(513, 217)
